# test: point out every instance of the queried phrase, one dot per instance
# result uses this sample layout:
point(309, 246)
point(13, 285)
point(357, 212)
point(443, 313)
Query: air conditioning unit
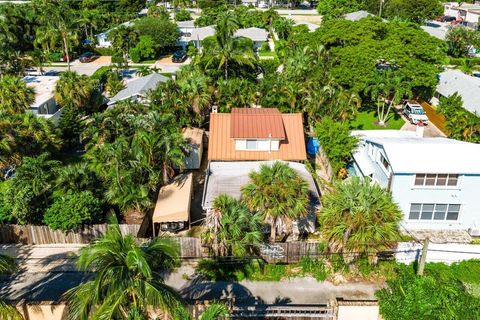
point(474, 232)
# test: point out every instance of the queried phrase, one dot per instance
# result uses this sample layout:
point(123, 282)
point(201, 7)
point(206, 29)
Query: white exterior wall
point(472, 17)
point(262, 145)
point(408, 252)
point(465, 193)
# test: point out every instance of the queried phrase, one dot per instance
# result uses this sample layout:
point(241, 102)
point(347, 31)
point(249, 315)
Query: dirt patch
point(102, 60)
point(165, 60)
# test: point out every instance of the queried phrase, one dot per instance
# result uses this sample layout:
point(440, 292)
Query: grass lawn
point(267, 54)
point(366, 120)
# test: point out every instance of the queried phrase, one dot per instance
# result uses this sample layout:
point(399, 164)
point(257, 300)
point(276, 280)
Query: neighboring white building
point(357, 15)
point(468, 13)
point(468, 87)
point(44, 105)
point(258, 35)
point(138, 88)
point(435, 181)
point(197, 35)
point(102, 38)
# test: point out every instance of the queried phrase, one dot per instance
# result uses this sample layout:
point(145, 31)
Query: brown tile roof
point(260, 123)
point(222, 148)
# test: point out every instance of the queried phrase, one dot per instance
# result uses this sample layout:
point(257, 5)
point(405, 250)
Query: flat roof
point(408, 153)
point(44, 87)
point(229, 177)
point(173, 202)
point(221, 146)
point(194, 136)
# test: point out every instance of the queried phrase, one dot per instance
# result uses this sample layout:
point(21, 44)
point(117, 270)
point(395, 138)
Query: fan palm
point(15, 95)
point(215, 311)
point(230, 228)
point(278, 193)
point(126, 283)
point(359, 218)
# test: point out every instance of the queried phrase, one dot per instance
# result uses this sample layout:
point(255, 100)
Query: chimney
point(214, 109)
point(420, 129)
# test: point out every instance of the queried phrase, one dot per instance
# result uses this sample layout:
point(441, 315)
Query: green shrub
point(426, 297)
point(117, 58)
point(105, 51)
point(314, 267)
point(222, 269)
point(265, 47)
point(55, 56)
point(72, 210)
point(135, 55)
point(183, 15)
point(269, 66)
point(101, 74)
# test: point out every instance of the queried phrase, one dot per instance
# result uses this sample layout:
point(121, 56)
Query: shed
point(194, 137)
point(172, 210)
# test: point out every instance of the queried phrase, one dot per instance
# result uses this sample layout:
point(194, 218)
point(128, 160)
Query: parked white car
point(414, 112)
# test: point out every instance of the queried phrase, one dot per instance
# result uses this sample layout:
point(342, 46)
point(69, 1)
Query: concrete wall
point(465, 193)
point(408, 252)
point(358, 312)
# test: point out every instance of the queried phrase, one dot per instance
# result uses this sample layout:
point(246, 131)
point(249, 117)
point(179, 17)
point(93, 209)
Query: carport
point(172, 210)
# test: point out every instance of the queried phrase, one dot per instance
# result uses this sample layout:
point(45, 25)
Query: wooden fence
point(11, 233)
point(433, 116)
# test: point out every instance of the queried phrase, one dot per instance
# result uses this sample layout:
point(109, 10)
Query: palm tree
point(194, 88)
point(278, 193)
point(215, 311)
point(123, 38)
point(227, 50)
point(78, 91)
point(230, 228)
point(359, 218)
point(126, 283)
point(15, 95)
point(26, 135)
point(387, 89)
point(8, 312)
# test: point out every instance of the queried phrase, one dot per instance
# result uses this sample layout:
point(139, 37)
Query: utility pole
point(381, 8)
point(423, 258)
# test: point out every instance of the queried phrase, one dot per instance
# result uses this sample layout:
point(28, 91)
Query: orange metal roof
point(221, 147)
point(259, 123)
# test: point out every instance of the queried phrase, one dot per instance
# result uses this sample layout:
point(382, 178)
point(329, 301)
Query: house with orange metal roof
point(250, 134)
point(241, 141)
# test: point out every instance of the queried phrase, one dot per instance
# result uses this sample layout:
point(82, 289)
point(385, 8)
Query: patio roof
point(173, 202)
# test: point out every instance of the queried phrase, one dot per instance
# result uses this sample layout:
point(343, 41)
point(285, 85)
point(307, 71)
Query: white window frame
point(434, 210)
point(435, 184)
point(251, 140)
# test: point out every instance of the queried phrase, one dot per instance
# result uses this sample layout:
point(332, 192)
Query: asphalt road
point(46, 272)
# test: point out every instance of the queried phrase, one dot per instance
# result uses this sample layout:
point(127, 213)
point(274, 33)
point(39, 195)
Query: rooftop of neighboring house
point(357, 15)
point(186, 24)
point(138, 87)
point(258, 124)
point(408, 153)
point(202, 33)
point(44, 87)
point(468, 7)
point(311, 26)
point(255, 34)
point(194, 136)
point(468, 87)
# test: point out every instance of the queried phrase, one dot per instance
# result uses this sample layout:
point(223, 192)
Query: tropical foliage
point(231, 229)
point(279, 194)
point(460, 123)
point(15, 96)
point(359, 218)
point(336, 141)
point(126, 283)
point(7, 266)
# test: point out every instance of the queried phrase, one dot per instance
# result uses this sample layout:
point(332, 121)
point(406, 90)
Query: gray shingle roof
point(437, 32)
point(255, 34)
point(357, 15)
point(202, 33)
point(138, 87)
point(468, 88)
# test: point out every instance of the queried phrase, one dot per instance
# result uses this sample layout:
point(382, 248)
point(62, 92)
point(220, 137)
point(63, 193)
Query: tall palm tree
point(359, 218)
point(278, 193)
point(230, 228)
point(8, 312)
point(15, 95)
point(78, 91)
point(195, 89)
point(227, 50)
point(387, 88)
point(126, 283)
